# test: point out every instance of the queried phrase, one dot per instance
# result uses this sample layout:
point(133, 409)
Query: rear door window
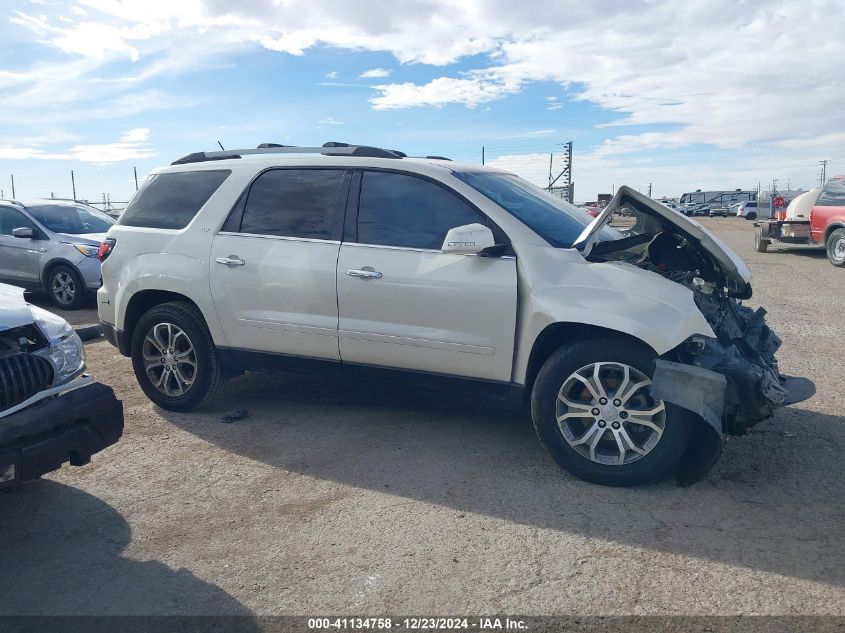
point(299, 203)
point(171, 200)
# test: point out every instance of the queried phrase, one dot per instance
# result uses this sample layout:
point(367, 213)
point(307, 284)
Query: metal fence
point(112, 207)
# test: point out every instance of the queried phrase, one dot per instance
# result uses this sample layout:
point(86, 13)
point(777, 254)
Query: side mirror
point(470, 239)
point(24, 232)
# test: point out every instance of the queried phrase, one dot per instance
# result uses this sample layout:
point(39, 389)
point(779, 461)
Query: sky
point(684, 94)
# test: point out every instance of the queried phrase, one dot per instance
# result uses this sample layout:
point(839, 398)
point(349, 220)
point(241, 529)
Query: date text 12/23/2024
point(417, 624)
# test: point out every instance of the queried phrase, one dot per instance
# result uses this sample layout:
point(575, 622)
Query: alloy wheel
point(63, 288)
point(605, 412)
point(170, 360)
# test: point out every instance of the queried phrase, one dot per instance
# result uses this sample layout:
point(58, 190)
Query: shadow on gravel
point(774, 502)
point(61, 555)
point(809, 252)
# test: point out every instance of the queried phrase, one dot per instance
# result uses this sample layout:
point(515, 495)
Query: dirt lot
point(337, 498)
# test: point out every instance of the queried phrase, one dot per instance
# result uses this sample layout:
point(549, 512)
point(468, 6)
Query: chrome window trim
point(321, 241)
point(418, 250)
point(279, 237)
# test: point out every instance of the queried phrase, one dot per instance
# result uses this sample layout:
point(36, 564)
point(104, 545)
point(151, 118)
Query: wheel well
point(51, 266)
point(830, 228)
point(143, 301)
point(557, 334)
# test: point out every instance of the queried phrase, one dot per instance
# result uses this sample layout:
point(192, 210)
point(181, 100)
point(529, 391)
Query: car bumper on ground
point(67, 428)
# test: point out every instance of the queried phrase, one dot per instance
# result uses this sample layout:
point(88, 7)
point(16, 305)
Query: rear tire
point(836, 248)
point(595, 453)
point(751, 216)
point(760, 245)
point(66, 289)
point(174, 357)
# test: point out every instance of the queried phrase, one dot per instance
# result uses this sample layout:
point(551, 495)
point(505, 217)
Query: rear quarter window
point(171, 200)
point(833, 194)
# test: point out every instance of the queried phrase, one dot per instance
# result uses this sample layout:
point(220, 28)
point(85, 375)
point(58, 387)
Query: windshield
point(71, 219)
point(556, 221)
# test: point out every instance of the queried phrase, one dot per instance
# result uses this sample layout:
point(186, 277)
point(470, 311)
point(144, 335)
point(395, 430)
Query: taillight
point(106, 248)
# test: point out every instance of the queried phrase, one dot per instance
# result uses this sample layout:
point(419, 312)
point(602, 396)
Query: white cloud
point(331, 121)
point(375, 73)
point(331, 75)
point(131, 145)
point(555, 106)
point(712, 72)
point(470, 91)
point(529, 134)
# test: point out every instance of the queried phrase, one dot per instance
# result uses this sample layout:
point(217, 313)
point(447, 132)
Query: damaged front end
point(732, 381)
point(742, 357)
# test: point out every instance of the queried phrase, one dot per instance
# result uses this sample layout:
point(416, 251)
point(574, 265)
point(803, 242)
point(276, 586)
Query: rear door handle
point(231, 260)
point(364, 274)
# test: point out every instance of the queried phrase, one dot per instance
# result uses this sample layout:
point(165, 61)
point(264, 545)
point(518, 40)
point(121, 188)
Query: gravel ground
point(344, 498)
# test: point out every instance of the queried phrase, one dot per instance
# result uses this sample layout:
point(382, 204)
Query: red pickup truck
point(826, 226)
point(827, 220)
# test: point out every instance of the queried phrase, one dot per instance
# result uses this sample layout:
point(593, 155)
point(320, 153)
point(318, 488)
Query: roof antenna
point(221, 146)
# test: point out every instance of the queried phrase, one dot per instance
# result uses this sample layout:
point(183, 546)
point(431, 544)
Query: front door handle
point(364, 274)
point(231, 260)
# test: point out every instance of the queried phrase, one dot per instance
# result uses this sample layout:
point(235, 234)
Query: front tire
point(836, 248)
point(66, 288)
point(593, 413)
point(174, 357)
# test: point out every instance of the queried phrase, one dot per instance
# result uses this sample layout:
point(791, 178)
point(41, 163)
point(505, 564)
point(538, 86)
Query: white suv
point(631, 345)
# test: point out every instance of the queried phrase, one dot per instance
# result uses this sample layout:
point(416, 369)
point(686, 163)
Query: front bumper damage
point(70, 427)
point(732, 382)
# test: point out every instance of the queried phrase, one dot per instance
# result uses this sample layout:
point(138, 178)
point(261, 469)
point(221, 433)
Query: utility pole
point(73, 184)
point(135, 169)
point(649, 190)
point(823, 177)
point(13, 186)
point(551, 156)
point(482, 162)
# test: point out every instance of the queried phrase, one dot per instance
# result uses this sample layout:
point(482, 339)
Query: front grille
point(21, 377)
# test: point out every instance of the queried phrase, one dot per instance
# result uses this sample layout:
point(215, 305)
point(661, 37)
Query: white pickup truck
point(631, 345)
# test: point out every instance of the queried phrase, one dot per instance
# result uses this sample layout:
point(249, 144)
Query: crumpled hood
point(736, 275)
point(14, 311)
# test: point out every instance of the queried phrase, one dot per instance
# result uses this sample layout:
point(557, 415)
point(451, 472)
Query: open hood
point(651, 217)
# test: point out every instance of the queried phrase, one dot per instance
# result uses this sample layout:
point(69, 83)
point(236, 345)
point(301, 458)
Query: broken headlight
point(66, 351)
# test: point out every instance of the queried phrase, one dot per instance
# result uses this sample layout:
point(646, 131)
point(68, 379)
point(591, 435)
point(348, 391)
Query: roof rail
point(331, 148)
point(438, 158)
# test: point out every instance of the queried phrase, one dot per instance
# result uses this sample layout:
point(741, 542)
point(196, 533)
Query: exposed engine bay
point(743, 351)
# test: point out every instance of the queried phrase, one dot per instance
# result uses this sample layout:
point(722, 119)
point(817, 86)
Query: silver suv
point(51, 246)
